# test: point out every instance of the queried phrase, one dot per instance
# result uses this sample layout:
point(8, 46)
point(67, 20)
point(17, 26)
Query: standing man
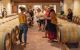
point(4, 13)
point(46, 14)
point(70, 15)
point(23, 25)
point(32, 17)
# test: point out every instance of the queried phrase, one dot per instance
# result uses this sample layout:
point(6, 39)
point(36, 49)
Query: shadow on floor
point(18, 47)
point(55, 44)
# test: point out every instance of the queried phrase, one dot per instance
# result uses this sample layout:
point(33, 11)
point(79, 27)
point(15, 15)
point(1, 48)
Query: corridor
point(58, 16)
point(37, 42)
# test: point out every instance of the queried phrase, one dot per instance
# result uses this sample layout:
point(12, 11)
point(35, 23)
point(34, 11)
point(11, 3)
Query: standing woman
point(4, 13)
point(32, 17)
point(23, 25)
point(40, 18)
point(46, 14)
point(52, 25)
point(70, 14)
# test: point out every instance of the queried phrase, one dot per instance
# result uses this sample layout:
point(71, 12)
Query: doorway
point(35, 7)
point(21, 6)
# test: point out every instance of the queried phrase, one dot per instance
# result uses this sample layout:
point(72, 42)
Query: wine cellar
point(68, 30)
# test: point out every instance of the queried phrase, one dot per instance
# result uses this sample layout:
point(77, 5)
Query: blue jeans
point(23, 29)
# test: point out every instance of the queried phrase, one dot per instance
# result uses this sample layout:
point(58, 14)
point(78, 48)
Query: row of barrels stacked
point(9, 32)
point(8, 40)
point(69, 32)
point(62, 17)
point(75, 19)
point(6, 16)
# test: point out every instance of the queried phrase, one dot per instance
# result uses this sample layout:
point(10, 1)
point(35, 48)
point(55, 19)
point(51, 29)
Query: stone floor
point(36, 42)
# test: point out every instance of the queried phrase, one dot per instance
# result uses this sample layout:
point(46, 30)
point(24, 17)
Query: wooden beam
point(36, 1)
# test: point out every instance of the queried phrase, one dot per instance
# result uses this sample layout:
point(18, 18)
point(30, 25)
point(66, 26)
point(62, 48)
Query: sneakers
point(54, 40)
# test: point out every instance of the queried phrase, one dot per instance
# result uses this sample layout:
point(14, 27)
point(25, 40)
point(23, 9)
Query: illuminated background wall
point(74, 5)
point(76, 9)
point(7, 5)
point(1, 6)
point(68, 4)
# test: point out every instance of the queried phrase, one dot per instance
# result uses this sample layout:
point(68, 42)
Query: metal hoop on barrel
point(13, 36)
point(7, 42)
point(17, 32)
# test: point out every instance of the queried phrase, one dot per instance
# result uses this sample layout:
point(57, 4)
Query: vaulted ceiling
point(36, 1)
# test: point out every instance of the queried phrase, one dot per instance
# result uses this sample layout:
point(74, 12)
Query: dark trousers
point(23, 29)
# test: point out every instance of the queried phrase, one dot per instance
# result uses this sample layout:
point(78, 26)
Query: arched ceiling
point(36, 1)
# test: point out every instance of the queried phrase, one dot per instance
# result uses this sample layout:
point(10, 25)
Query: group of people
point(46, 20)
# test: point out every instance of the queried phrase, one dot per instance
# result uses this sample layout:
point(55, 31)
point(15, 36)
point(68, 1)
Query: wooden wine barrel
point(13, 36)
point(5, 41)
point(77, 19)
point(74, 19)
point(17, 32)
point(69, 34)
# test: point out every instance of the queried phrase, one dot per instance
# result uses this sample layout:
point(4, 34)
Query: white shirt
point(40, 15)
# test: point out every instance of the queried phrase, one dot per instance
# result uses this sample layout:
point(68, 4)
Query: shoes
point(24, 45)
point(55, 40)
point(50, 41)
